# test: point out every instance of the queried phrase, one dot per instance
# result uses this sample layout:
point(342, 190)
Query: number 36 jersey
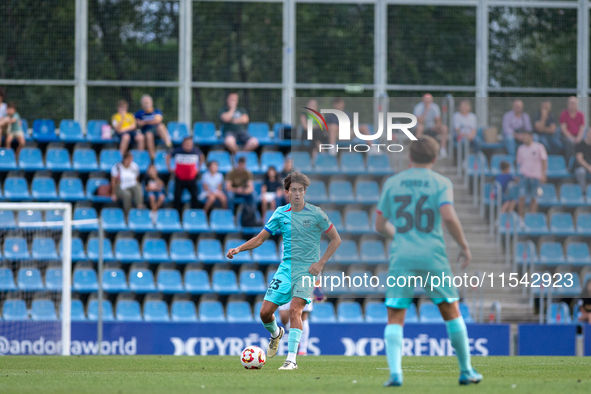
point(411, 201)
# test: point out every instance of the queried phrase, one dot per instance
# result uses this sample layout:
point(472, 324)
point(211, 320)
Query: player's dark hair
point(505, 166)
point(424, 150)
point(296, 177)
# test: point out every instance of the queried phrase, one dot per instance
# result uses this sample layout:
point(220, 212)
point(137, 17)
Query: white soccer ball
point(253, 357)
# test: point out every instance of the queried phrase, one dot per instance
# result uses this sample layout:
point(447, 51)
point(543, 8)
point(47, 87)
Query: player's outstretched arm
point(335, 241)
point(452, 222)
point(384, 227)
point(252, 243)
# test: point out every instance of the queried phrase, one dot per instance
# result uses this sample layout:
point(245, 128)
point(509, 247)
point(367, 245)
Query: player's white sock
point(291, 357)
point(305, 336)
point(276, 333)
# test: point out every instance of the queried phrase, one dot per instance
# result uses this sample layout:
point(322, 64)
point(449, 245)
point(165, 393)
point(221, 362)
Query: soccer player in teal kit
point(411, 208)
point(301, 225)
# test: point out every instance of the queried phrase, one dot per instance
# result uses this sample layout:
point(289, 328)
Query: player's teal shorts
point(284, 287)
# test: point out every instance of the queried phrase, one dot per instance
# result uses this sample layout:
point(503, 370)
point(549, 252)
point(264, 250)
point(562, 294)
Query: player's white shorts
point(307, 308)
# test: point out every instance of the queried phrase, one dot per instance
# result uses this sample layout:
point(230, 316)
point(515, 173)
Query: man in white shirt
point(429, 122)
point(125, 183)
point(465, 125)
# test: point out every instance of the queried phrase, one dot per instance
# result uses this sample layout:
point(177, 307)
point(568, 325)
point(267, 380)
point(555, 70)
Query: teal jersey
point(301, 233)
point(411, 201)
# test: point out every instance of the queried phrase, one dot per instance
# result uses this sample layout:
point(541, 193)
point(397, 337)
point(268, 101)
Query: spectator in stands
point(234, 124)
point(3, 118)
point(125, 184)
point(515, 123)
point(151, 122)
point(212, 182)
point(333, 125)
point(155, 190)
point(545, 128)
point(572, 123)
point(533, 161)
point(584, 303)
point(124, 125)
point(287, 167)
point(271, 190)
point(320, 136)
point(239, 185)
point(187, 159)
point(14, 128)
point(429, 122)
point(506, 179)
point(465, 125)
point(583, 161)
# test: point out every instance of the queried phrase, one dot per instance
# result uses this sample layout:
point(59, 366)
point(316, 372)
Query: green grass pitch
point(324, 374)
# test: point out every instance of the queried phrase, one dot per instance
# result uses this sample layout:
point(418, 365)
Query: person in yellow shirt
point(124, 125)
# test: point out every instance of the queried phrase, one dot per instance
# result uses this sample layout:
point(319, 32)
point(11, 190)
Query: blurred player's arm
point(452, 222)
point(384, 227)
point(251, 244)
point(335, 241)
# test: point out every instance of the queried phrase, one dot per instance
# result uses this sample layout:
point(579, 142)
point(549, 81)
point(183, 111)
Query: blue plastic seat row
point(536, 224)
point(557, 168)
point(553, 254)
point(349, 163)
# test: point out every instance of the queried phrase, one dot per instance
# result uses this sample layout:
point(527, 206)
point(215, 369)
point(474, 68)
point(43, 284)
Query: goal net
point(35, 278)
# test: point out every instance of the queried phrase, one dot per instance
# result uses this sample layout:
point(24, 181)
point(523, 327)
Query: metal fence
point(77, 58)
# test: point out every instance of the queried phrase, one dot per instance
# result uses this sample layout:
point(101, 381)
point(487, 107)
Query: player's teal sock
point(272, 328)
point(456, 330)
point(294, 340)
point(393, 338)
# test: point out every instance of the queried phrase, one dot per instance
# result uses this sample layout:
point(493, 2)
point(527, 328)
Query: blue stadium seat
point(78, 252)
point(14, 310)
point(359, 283)
point(127, 250)
point(197, 281)
point(209, 251)
point(43, 310)
point(43, 189)
point(92, 249)
point(84, 280)
point(349, 312)
point(160, 162)
point(429, 313)
point(15, 248)
point(571, 195)
point(260, 130)
point(252, 161)
point(495, 163)
point(156, 310)
point(326, 164)
point(367, 192)
point(53, 219)
point(335, 218)
point(551, 253)
point(154, 250)
point(195, 221)
point(93, 132)
point(577, 253)
point(266, 253)
point(114, 280)
point(185, 197)
point(168, 221)
point(379, 165)
point(272, 159)
point(352, 163)
point(70, 131)
point(30, 159)
point(588, 194)
point(108, 158)
point(549, 197)
point(240, 258)
point(84, 160)
point(224, 282)
point(558, 313)
point(139, 220)
point(113, 220)
point(7, 159)
point(71, 189)
point(92, 311)
point(280, 140)
point(412, 315)
point(239, 312)
point(91, 185)
point(302, 162)
point(77, 311)
point(568, 286)
point(561, 224)
point(44, 130)
point(178, 131)
point(182, 251)
point(128, 310)
point(316, 193)
point(475, 163)
point(523, 251)
point(169, 281)
point(252, 282)
point(346, 253)
point(16, 189)
point(85, 213)
point(584, 224)
point(535, 224)
point(557, 167)
point(43, 248)
point(183, 311)
point(7, 221)
point(372, 252)
point(142, 159)
point(211, 311)
point(29, 219)
point(465, 312)
point(341, 192)
point(376, 312)
point(6, 280)
point(204, 134)
point(223, 159)
point(29, 279)
point(222, 221)
point(323, 312)
point(357, 222)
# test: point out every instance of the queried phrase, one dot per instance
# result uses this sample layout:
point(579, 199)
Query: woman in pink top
point(572, 123)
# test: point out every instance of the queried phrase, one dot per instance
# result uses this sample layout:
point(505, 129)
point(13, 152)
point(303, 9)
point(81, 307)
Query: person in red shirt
point(187, 159)
point(572, 124)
